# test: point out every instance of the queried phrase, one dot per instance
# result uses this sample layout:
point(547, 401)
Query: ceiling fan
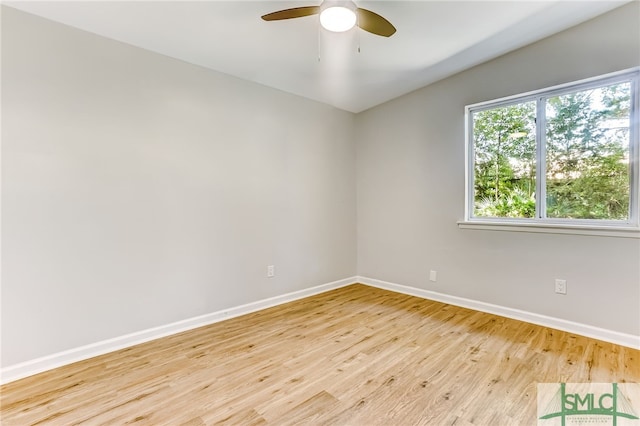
point(338, 16)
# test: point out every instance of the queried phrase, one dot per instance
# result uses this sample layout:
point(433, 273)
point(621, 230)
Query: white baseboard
point(628, 340)
point(29, 368)
point(35, 366)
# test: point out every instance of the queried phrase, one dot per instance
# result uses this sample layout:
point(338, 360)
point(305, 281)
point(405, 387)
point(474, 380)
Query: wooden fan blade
point(374, 23)
point(296, 12)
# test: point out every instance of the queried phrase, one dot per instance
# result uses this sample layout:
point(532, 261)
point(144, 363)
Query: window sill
point(553, 228)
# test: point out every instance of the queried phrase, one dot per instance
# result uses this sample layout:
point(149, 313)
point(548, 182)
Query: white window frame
point(540, 223)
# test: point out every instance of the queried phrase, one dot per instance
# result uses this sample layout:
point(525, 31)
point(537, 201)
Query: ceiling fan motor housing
point(348, 4)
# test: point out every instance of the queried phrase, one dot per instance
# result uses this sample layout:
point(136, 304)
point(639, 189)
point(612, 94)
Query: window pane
point(587, 160)
point(505, 161)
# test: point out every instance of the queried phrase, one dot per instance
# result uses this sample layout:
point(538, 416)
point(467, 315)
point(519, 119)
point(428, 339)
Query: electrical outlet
point(433, 275)
point(561, 286)
point(271, 271)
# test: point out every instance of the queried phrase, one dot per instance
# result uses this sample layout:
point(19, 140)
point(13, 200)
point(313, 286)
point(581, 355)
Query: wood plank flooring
point(352, 356)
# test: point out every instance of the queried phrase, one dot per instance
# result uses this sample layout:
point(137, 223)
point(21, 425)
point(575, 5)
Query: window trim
point(630, 227)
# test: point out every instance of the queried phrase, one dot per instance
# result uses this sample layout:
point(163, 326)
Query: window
point(566, 155)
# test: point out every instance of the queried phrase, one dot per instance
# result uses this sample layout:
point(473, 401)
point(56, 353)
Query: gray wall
point(138, 190)
point(411, 191)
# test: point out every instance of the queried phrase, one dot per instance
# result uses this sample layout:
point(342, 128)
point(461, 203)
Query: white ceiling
point(435, 39)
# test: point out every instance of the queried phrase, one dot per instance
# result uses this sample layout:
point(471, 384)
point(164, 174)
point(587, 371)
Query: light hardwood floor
point(352, 356)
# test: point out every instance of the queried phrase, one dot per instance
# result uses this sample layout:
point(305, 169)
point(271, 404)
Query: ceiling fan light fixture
point(338, 18)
